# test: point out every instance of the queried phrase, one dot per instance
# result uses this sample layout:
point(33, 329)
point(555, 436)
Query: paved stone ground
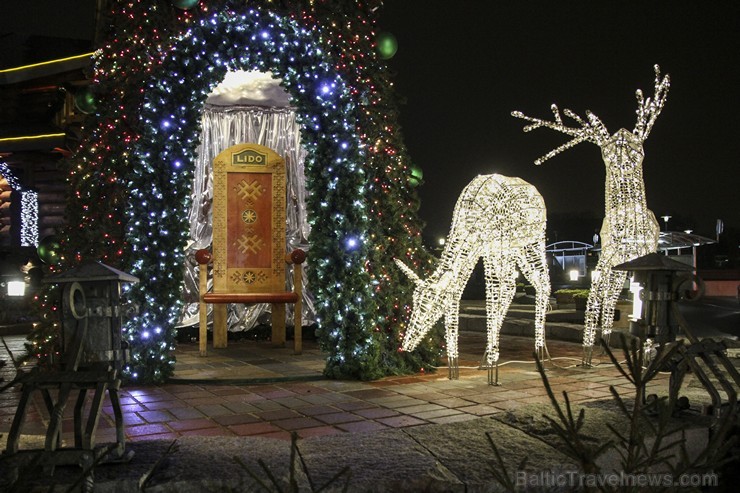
point(411, 433)
point(324, 407)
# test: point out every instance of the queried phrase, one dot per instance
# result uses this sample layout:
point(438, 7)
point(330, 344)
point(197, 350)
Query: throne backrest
point(248, 220)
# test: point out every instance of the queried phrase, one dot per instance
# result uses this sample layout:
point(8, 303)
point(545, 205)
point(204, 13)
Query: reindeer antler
point(591, 129)
point(649, 109)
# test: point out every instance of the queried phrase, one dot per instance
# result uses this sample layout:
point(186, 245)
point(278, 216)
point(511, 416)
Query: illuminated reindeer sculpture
point(630, 229)
point(501, 219)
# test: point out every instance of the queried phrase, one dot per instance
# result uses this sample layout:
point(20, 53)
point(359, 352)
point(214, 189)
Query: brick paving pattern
point(321, 406)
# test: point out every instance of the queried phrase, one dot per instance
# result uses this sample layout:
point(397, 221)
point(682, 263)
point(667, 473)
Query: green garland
point(132, 175)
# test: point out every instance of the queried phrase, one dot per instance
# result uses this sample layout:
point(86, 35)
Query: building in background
point(45, 64)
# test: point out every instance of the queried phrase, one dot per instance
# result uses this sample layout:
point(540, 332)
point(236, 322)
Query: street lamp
point(665, 219)
point(635, 289)
point(652, 288)
point(16, 288)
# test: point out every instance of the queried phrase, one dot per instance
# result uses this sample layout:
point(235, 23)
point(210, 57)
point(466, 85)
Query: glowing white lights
point(502, 220)
point(29, 218)
point(630, 229)
point(29, 208)
point(16, 288)
point(6, 173)
point(635, 289)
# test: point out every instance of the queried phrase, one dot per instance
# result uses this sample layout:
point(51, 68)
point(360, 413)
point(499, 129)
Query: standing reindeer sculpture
point(501, 219)
point(630, 229)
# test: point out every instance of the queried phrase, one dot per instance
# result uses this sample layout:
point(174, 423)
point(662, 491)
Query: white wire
point(549, 358)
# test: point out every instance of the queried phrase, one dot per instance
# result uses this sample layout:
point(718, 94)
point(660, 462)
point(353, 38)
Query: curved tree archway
point(174, 97)
point(131, 177)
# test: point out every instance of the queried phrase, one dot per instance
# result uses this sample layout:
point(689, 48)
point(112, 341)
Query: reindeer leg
point(591, 318)
point(596, 297)
point(615, 283)
point(508, 288)
point(533, 265)
point(500, 288)
point(492, 314)
point(451, 334)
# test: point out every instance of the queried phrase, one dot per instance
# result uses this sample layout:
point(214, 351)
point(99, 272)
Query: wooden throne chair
point(249, 255)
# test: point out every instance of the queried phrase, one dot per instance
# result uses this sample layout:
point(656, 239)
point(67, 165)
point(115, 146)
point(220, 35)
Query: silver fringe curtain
point(222, 127)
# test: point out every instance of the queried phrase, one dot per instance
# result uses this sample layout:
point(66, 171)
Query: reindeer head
point(593, 130)
point(430, 301)
point(623, 152)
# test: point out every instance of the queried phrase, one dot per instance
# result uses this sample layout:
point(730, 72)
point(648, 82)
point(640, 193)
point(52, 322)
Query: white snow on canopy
point(249, 89)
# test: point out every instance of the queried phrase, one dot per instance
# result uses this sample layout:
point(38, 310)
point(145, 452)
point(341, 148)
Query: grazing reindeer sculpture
point(501, 219)
point(630, 229)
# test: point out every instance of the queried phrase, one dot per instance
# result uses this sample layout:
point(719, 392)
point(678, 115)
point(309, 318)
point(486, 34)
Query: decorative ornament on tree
point(501, 219)
point(85, 101)
point(416, 175)
point(185, 4)
point(630, 229)
point(49, 250)
point(387, 45)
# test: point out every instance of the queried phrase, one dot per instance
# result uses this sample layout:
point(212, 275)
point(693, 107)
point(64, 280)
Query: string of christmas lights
point(131, 175)
point(29, 207)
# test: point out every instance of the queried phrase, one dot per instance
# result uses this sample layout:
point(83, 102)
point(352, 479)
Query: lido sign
point(249, 157)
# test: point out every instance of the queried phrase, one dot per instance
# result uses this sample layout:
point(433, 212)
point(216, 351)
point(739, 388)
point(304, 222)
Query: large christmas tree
point(131, 178)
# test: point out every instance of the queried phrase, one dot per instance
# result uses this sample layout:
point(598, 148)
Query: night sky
point(463, 66)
